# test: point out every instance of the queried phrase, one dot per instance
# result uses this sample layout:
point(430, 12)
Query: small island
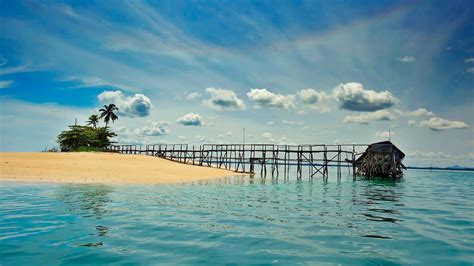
point(84, 159)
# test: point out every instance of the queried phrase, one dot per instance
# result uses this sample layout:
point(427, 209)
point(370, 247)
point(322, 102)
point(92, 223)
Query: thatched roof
point(383, 147)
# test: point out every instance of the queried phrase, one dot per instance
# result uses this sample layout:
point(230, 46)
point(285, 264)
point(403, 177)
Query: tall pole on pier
point(243, 136)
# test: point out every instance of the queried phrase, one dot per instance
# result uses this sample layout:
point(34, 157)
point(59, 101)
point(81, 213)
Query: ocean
point(425, 218)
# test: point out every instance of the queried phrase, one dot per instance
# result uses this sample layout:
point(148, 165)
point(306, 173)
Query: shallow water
point(426, 218)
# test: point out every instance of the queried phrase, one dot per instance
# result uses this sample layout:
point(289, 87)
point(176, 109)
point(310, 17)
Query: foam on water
point(425, 218)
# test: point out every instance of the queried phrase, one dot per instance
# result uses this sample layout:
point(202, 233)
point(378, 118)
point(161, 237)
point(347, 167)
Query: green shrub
point(85, 148)
point(85, 138)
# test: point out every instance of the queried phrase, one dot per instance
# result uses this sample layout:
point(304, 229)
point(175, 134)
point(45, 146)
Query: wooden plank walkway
point(315, 160)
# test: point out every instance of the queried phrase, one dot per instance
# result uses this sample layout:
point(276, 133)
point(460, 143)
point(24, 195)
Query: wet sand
point(98, 167)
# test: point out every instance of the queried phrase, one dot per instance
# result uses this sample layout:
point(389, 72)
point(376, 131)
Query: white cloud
point(153, 128)
point(366, 118)
point(190, 119)
point(229, 133)
point(5, 83)
point(284, 141)
point(315, 100)
point(293, 123)
point(203, 139)
point(268, 137)
point(470, 70)
point(124, 135)
point(385, 135)
point(352, 96)
point(265, 98)
point(469, 60)
point(412, 122)
point(406, 59)
point(193, 96)
point(420, 112)
point(417, 113)
point(136, 105)
point(142, 135)
point(438, 124)
point(222, 99)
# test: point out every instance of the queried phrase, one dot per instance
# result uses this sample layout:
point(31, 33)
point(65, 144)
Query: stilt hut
point(381, 159)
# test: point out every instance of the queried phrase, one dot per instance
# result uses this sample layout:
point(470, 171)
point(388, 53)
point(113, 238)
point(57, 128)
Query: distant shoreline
point(441, 168)
point(100, 167)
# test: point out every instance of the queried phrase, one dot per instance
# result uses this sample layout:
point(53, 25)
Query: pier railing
point(315, 160)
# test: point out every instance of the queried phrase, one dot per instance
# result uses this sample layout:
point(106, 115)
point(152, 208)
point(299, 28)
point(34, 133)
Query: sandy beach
point(96, 167)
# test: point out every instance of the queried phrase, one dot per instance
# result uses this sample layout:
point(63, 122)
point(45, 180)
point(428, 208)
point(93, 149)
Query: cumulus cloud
point(366, 118)
point(412, 122)
point(153, 128)
point(190, 119)
point(406, 59)
point(5, 83)
point(315, 100)
point(193, 96)
point(470, 70)
point(265, 98)
point(142, 135)
point(133, 106)
point(353, 97)
point(222, 99)
point(385, 135)
point(438, 124)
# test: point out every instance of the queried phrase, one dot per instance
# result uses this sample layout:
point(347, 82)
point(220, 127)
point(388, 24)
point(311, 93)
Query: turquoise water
point(426, 218)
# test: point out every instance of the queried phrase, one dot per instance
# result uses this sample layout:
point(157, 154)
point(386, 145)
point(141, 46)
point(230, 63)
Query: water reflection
point(89, 201)
point(344, 204)
point(382, 200)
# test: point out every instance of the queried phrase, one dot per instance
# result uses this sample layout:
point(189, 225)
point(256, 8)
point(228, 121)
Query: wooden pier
point(277, 160)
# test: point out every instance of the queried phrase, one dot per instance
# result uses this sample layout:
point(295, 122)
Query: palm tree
point(93, 120)
point(108, 113)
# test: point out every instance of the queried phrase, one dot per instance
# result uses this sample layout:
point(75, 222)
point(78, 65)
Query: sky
point(289, 72)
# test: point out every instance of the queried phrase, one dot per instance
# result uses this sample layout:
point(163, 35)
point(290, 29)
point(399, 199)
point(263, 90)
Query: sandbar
point(101, 167)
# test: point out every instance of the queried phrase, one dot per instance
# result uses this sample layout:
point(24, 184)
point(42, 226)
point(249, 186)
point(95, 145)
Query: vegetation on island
point(90, 137)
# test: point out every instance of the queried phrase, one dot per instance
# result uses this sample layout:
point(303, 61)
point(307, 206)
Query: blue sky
point(199, 71)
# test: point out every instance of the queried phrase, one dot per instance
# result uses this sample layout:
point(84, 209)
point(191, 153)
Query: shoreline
point(101, 167)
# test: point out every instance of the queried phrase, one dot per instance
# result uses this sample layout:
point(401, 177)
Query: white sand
point(97, 167)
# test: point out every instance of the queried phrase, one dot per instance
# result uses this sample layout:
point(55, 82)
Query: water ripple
point(419, 220)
